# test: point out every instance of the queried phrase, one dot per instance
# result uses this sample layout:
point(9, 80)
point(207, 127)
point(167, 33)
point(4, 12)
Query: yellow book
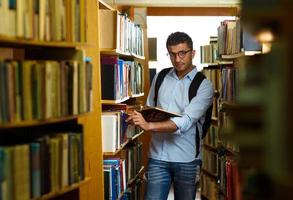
point(19, 18)
point(27, 89)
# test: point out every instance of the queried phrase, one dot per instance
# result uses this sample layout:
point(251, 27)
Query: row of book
point(209, 188)
point(222, 178)
point(45, 164)
point(43, 20)
point(214, 75)
point(230, 84)
point(127, 36)
point(229, 181)
point(209, 53)
point(119, 172)
point(210, 161)
point(227, 128)
point(225, 80)
point(34, 90)
point(212, 137)
point(233, 38)
point(120, 79)
point(115, 130)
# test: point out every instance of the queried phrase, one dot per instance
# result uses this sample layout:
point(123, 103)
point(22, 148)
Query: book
point(109, 131)
point(153, 114)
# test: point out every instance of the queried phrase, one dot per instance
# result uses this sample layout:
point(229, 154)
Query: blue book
point(114, 164)
point(249, 42)
point(35, 161)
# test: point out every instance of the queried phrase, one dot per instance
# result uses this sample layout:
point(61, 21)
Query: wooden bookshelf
point(65, 189)
point(90, 188)
point(236, 119)
point(110, 47)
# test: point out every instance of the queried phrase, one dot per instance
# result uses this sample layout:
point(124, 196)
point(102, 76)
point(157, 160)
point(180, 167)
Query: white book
point(64, 160)
point(109, 131)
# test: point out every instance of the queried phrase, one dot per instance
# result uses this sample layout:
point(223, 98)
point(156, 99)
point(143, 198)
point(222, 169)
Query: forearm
point(137, 119)
point(165, 126)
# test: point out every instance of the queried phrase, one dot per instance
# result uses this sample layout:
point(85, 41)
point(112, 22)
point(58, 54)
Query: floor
point(171, 195)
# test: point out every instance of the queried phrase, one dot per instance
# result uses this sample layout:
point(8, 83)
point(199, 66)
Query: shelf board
point(139, 57)
point(214, 119)
point(254, 111)
point(211, 148)
point(137, 95)
point(104, 5)
point(40, 121)
point(137, 135)
point(229, 150)
point(241, 54)
point(131, 181)
point(12, 41)
point(105, 101)
point(205, 171)
point(64, 190)
point(123, 145)
point(218, 63)
point(225, 105)
point(117, 52)
point(114, 101)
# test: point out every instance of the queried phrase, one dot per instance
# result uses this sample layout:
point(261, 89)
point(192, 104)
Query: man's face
point(181, 57)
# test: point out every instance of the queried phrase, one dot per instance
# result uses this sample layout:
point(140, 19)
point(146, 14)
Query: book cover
point(109, 132)
point(154, 114)
point(35, 159)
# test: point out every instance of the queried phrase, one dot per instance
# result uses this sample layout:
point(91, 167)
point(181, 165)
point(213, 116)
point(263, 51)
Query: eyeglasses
point(181, 54)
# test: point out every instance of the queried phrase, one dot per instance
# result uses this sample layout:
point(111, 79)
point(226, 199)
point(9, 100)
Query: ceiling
point(177, 3)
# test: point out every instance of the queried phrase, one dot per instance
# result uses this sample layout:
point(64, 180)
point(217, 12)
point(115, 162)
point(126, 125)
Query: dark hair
point(179, 37)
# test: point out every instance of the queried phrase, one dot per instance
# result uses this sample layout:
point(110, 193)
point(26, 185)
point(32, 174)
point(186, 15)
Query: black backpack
point(199, 77)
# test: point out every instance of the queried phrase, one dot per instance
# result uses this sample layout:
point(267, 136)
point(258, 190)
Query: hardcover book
point(154, 114)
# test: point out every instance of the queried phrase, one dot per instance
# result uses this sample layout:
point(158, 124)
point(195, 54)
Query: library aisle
point(171, 195)
point(71, 70)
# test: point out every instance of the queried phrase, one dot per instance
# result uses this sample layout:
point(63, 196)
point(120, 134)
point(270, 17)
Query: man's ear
point(193, 53)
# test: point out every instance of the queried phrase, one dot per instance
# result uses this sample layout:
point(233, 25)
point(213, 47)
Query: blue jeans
point(161, 174)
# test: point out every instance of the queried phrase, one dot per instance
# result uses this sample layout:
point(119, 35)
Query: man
point(172, 150)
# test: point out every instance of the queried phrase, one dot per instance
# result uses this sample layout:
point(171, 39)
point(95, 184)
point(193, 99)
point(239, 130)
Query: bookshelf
point(276, 129)
point(121, 50)
point(78, 42)
point(237, 117)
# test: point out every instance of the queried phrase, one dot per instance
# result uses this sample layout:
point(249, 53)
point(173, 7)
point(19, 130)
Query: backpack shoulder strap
point(159, 81)
point(194, 85)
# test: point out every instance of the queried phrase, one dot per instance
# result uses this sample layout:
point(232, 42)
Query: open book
point(154, 114)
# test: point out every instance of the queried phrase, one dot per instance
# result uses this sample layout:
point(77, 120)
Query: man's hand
point(137, 119)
